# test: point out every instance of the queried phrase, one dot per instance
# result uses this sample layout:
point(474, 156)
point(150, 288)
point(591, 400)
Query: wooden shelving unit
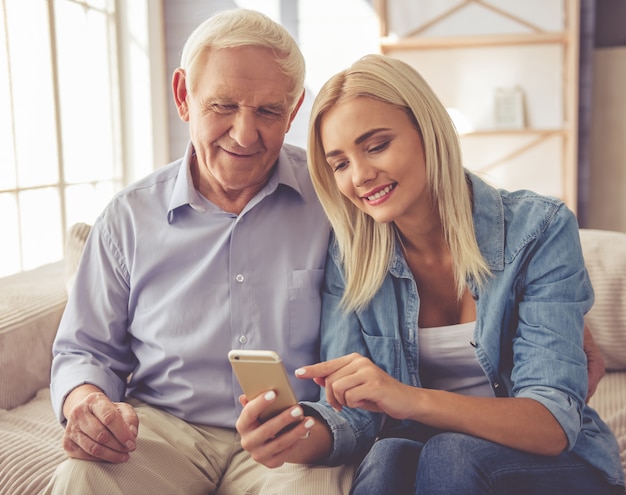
point(466, 49)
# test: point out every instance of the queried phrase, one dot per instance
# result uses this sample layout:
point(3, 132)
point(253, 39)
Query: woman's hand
point(521, 423)
point(596, 367)
point(355, 381)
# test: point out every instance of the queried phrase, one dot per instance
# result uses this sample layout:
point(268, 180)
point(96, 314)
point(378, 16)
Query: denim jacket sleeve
point(354, 430)
point(554, 293)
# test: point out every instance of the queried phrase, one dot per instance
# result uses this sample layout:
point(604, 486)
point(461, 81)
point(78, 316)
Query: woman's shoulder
point(513, 204)
point(519, 217)
point(531, 219)
point(533, 213)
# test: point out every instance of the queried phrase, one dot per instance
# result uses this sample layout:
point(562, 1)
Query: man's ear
point(179, 90)
point(295, 111)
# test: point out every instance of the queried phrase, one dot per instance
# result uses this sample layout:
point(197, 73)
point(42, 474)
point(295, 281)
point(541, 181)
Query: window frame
point(138, 113)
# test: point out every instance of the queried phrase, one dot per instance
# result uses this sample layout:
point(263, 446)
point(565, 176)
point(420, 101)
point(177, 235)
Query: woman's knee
point(458, 459)
point(388, 468)
point(390, 451)
point(457, 447)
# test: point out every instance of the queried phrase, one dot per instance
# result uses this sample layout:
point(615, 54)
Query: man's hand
point(595, 362)
point(98, 429)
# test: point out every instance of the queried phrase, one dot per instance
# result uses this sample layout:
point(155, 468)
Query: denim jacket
point(529, 325)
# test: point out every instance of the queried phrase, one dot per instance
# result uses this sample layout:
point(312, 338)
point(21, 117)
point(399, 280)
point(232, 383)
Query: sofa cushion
point(31, 305)
point(34, 436)
point(610, 402)
point(605, 258)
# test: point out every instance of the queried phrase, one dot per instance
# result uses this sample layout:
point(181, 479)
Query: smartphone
point(259, 372)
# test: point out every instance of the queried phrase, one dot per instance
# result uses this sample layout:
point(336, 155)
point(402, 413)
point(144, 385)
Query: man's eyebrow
point(216, 99)
point(226, 100)
point(359, 140)
point(274, 106)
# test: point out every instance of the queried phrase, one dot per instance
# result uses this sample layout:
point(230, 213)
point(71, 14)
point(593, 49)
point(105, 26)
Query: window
point(60, 133)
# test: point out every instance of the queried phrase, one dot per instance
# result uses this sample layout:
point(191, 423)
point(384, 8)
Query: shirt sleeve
point(92, 345)
point(549, 363)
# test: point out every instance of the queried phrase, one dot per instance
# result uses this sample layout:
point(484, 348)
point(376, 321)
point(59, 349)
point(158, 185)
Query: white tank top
point(448, 361)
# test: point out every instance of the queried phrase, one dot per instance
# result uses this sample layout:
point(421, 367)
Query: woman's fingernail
point(296, 412)
point(309, 423)
point(271, 395)
point(300, 371)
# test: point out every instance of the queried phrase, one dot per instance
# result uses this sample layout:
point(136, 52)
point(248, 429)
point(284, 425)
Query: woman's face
point(377, 157)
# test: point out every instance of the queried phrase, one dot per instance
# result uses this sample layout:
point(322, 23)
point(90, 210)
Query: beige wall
point(607, 194)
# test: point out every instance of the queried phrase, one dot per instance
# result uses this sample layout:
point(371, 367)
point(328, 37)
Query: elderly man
point(222, 249)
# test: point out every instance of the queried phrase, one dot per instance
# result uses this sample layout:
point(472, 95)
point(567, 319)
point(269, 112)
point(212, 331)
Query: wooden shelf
point(433, 42)
point(471, 32)
point(512, 132)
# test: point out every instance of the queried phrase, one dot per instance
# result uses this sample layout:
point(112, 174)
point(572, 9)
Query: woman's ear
point(179, 91)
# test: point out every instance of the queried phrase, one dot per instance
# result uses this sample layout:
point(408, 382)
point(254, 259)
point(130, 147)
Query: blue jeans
point(454, 463)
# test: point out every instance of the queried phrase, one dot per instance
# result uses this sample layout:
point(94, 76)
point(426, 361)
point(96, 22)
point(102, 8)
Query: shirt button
point(239, 278)
point(243, 339)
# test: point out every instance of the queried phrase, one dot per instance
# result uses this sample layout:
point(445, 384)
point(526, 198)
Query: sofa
point(32, 302)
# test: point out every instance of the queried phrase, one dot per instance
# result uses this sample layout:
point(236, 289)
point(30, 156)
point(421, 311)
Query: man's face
point(238, 112)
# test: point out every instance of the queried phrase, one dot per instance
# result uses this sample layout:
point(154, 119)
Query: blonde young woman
point(452, 319)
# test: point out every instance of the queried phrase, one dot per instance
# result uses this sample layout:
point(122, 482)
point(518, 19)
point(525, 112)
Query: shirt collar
point(284, 172)
point(185, 193)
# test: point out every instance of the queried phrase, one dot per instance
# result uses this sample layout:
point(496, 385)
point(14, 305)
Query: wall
point(607, 178)
point(610, 23)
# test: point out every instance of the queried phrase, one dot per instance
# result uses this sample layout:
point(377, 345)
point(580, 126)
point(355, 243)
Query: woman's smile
point(379, 195)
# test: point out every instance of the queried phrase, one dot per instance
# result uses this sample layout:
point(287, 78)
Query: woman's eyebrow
point(369, 134)
point(359, 140)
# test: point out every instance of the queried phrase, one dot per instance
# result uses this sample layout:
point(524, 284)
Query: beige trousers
point(175, 457)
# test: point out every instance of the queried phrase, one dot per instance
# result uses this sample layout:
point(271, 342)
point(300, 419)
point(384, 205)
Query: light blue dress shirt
point(529, 325)
point(169, 283)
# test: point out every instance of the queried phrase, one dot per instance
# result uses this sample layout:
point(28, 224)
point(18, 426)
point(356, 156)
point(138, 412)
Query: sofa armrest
point(31, 305)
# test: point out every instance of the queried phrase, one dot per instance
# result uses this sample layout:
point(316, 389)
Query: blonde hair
point(366, 247)
point(243, 27)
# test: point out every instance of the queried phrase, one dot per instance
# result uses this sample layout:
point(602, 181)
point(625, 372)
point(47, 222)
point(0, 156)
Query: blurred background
point(535, 88)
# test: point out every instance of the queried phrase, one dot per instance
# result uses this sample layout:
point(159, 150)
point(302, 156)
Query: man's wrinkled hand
point(98, 429)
